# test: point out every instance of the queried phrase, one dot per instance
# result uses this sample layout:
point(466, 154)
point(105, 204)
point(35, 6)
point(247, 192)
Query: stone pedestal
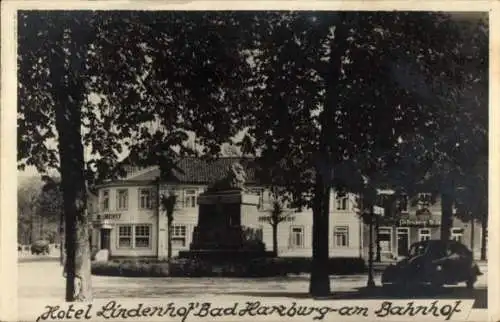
point(219, 234)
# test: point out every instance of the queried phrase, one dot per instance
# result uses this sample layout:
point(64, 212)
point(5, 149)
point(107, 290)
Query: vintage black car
point(434, 263)
point(40, 247)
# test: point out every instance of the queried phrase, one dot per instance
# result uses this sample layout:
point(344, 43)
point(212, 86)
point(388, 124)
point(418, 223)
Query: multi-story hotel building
point(128, 222)
point(416, 221)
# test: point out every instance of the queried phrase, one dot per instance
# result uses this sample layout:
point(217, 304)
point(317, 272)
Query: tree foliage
point(326, 99)
point(362, 94)
point(27, 210)
point(134, 83)
point(39, 207)
point(51, 203)
point(277, 213)
point(144, 85)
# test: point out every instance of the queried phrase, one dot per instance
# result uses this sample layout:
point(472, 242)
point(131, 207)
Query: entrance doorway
point(105, 240)
point(403, 241)
point(385, 240)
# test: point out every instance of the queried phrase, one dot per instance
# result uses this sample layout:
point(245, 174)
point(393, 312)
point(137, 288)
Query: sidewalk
point(28, 257)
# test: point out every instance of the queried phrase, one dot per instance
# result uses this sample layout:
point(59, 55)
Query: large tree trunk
point(78, 285)
point(371, 282)
point(31, 230)
point(484, 236)
point(446, 215)
point(169, 239)
point(61, 238)
point(320, 280)
point(68, 96)
point(472, 235)
point(275, 240)
point(377, 239)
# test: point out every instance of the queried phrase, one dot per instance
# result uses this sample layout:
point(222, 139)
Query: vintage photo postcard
point(235, 161)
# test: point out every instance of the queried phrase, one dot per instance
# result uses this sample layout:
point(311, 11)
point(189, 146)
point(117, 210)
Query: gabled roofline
point(118, 183)
point(141, 172)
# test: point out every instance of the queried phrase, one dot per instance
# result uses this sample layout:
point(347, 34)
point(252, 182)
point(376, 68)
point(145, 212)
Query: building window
point(341, 236)
point(105, 200)
point(456, 234)
point(424, 234)
point(134, 236)
point(179, 235)
point(122, 199)
point(145, 198)
point(142, 236)
point(424, 200)
point(341, 200)
point(297, 237)
point(124, 236)
point(385, 239)
point(190, 196)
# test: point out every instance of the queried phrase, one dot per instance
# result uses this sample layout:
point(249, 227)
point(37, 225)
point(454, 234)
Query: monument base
point(220, 241)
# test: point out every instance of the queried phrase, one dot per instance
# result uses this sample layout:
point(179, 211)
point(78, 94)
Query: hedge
point(130, 269)
point(262, 267)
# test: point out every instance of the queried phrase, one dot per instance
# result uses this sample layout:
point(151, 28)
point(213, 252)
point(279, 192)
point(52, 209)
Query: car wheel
point(470, 283)
point(389, 288)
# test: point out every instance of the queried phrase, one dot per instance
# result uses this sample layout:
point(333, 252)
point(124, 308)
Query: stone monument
point(219, 234)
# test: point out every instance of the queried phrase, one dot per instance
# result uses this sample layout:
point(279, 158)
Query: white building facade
point(128, 222)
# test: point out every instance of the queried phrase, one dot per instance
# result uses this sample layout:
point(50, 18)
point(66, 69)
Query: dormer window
point(122, 199)
point(146, 198)
point(403, 203)
point(190, 198)
point(341, 201)
point(424, 200)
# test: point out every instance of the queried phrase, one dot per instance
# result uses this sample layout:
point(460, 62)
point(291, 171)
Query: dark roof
point(199, 171)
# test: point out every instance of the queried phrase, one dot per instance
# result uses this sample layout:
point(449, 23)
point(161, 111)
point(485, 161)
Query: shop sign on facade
point(417, 222)
point(281, 219)
point(109, 217)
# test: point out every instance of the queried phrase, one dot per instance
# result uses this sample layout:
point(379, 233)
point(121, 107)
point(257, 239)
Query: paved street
point(44, 279)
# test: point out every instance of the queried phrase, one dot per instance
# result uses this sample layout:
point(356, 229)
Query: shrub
point(106, 268)
point(130, 269)
point(195, 267)
point(299, 265)
point(348, 265)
